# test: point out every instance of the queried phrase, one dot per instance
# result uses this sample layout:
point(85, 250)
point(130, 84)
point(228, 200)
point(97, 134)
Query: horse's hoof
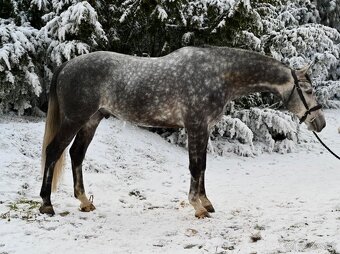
point(88, 208)
point(210, 208)
point(202, 214)
point(47, 209)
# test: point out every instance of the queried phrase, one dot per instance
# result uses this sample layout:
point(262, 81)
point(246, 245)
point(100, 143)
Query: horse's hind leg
point(202, 195)
point(77, 152)
point(54, 150)
point(198, 139)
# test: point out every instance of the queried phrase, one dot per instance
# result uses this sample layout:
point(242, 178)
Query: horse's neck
point(247, 77)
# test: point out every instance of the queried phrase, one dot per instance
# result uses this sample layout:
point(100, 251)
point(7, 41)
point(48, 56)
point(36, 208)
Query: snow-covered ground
point(272, 203)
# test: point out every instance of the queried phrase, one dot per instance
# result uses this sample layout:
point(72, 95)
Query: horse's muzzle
point(317, 123)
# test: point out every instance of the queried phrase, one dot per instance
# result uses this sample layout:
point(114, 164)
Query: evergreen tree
point(38, 35)
point(21, 47)
point(329, 13)
point(72, 29)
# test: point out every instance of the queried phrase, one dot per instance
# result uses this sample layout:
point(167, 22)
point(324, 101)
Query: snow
point(16, 42)
point(252, 41)
point(162, 15)
point(34, 81)
point(4, 52)
point(69, 21)
point(187, 37)
point(40, 4)
point(67, 50)
point(327, 93)
point(271, 203)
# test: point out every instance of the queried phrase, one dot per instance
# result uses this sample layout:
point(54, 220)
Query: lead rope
point(325, 146)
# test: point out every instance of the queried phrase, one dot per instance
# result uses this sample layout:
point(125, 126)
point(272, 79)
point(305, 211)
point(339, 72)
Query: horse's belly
point(153, 118)
point(165, 122)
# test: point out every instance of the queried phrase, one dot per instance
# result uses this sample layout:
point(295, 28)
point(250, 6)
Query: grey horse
point(188, 88)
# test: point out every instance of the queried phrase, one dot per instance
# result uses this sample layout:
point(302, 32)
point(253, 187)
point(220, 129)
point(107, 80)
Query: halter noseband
point(298, 88)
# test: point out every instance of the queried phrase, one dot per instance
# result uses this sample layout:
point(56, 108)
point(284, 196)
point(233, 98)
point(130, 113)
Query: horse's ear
point(305, 68)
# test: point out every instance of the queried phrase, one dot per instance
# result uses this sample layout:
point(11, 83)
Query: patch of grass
point(32, 203)
point(63, 214)
point(29, 204)
point(13, 207)
point(22, 208)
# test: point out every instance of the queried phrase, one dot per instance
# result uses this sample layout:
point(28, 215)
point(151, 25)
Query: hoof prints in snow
point(268, 204)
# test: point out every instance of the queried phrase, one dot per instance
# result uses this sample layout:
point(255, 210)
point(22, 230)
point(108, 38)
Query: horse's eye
point(309, 91)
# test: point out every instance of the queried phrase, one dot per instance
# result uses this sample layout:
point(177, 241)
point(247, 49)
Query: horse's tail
point(51, 128)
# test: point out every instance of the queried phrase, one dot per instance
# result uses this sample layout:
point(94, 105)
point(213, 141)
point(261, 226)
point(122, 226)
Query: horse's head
point(301, 100)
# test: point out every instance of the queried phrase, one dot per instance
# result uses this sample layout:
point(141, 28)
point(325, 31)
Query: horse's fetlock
point(45, 195)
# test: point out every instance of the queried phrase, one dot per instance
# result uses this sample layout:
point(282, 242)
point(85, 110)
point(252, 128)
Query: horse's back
point(125, 86)
point(165, 91)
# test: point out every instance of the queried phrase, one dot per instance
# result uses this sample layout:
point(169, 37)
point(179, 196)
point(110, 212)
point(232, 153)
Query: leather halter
point(300, 93)
point(317, 107)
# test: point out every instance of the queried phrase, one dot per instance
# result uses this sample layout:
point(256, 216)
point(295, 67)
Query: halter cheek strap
point(300, 93)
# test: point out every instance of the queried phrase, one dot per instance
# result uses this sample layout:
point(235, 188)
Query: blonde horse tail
point(51, 128)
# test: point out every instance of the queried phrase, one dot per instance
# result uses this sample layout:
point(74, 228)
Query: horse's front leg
point(198, 139)
point(202, 195)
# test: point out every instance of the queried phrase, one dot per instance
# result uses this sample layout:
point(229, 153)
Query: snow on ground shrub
point(292, 34)
point(328, 94)
point(329, 12)
point(307, 43)
point(232, 135)
point(274, 131)
point(248, 132)
point(316, 44)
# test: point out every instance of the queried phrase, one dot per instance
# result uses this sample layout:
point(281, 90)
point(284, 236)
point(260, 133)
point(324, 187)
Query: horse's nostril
point(319, 124)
